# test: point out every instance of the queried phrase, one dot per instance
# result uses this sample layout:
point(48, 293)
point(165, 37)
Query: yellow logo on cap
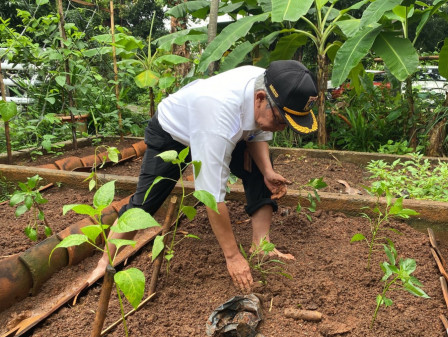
point(273, 90)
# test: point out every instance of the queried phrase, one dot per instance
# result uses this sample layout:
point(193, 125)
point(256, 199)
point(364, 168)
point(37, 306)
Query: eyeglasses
point(279, 121)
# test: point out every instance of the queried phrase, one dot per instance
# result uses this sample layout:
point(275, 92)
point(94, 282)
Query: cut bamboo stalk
point(439, 263)
point(444, 289)
point(444, 322)
point(103, 304)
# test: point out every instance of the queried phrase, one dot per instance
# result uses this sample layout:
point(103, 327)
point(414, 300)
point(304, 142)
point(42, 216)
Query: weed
point(377, 224)
point(402, 274)
point(259, 260)
point(30, 199)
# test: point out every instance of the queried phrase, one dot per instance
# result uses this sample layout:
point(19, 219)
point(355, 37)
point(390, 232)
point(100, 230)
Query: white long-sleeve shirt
point(211, 116)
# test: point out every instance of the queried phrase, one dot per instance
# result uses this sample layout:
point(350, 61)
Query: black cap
point(293, 89)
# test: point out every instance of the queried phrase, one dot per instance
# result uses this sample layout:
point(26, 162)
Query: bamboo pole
point(103, 303)
point(67, 72)
point(7, 135)
point(114, 57)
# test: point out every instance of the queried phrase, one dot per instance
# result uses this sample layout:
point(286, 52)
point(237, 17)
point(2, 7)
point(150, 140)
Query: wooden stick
point(439, 263)
point(444, 289)
point(103, 304)
point(114, 324)
point(432, 240)
point(444, 322)
point(159, 259)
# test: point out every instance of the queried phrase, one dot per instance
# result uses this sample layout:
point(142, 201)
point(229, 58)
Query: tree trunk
point(182, 50)
point(322, 89)
point(410, 120)
point(212, 31)
point(7, 136)
point(437, 135)
point(67, 72)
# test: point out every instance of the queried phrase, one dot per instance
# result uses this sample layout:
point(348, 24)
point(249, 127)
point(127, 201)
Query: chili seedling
point(401, 274)
point(392, 209)
point(110, 153)
point(30, 199)
point(315, 184)
point(131, 282)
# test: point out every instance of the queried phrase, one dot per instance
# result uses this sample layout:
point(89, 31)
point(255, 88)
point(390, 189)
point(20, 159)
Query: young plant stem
point(383, 295)
point(103, 304)
point(122, 310)
point(40, 210)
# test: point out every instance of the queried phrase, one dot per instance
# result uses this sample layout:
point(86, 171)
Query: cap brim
point(301, 124)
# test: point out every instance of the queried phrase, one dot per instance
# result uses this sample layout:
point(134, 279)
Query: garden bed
point(329, 273)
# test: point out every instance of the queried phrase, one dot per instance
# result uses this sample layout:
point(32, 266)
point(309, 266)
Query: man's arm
point(259, 151)
point(236, 264)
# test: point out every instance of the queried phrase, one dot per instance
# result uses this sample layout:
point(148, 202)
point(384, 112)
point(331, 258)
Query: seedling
point(260, 262)
point(315, 184)
point(203, 196)
point(131, 282)
point(30, 199)
point(401, 274)
point(377, 224)
point(111, 153)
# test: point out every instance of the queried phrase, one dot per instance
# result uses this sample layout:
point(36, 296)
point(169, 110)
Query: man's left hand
point(276, 184)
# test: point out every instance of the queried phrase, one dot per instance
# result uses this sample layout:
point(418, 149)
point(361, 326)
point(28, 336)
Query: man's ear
point(260, 96)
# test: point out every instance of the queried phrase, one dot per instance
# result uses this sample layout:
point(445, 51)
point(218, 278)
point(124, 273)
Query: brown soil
point(329, 275)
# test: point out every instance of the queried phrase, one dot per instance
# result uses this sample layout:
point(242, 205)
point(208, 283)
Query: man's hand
point(239, 270)
point(276, 184)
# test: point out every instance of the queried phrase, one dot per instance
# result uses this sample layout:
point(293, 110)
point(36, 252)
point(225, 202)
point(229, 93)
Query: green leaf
point(168, 257)
point(375, 11)
point(189, 211)
point(41, 216)
point(408, 265)
point(50, 100)
point(60, 80)
point(134, 219)
point(236, 56)
point(166, 81)
point(443, 59)
point(287, 45)
point(132, 283)
point(349, 27)
point(168, 156)
point(352, 51)
point(159, 178)
point(121, 242)
point(92, 183)
point(48, 232)
point(357, 237)
point(414, 290)
point(183, 154)
point(92, 231)
point(112, 153)
point(28, 201)
point(16, 198)
point(317, 183)
point(20, 210)
point(7, 110)
point(389, 254)
point(197, 167)
point(147, 78)
point(31, 233)
point(170, 60)
point(192, 236)
point(80, 209)
point(290, 10)
point(157, 246)
point(398, 54)
point(104, 196)
point(207, 199)
point(184, 8)
point(227, 38)
point(41, 2)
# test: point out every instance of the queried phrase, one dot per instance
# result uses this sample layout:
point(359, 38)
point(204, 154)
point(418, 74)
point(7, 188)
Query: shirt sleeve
point(262, 136)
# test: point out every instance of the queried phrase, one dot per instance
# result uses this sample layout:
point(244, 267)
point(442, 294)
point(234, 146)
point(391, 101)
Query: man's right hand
point(239, 271)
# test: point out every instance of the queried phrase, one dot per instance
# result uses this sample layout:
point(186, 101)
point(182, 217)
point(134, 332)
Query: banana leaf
point(290, 10)
point(226, 38)
point(236, 56)
point(287, 46)
point(376, 10)
point(443, 60)
point(398, 54)
point(352, 51)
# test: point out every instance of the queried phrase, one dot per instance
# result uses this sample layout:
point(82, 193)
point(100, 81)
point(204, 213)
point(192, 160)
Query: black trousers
point(157, 141)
